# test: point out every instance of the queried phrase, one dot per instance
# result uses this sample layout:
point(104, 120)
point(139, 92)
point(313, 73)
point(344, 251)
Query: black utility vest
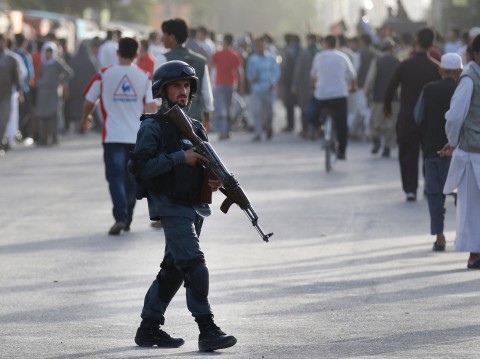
point(437, 96)
point(183, 183)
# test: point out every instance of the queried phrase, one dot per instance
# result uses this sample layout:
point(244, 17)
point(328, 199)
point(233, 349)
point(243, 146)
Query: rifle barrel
point(252, 216)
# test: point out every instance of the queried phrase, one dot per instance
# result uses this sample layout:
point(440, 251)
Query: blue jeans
point(222, 95)
point(436, 170)
point(121, 183)
point(262, 111)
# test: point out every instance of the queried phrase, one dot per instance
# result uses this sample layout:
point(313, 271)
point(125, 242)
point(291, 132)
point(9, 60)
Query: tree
point(68, 7)
point(273, 16)
point(126, 10)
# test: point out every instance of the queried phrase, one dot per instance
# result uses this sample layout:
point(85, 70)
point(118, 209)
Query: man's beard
point(180, 104)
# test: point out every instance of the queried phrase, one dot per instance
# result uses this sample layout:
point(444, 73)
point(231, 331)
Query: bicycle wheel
point(237, 111)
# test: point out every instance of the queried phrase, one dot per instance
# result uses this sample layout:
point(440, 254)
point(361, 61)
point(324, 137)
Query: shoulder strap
point(200, 130)
point(198, 127)
point(144, 116)
point(158, 118)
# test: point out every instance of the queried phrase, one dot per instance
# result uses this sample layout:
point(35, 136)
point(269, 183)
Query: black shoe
point(156, 224)
point(376, 146)
point(212, 337)
point(117, 228)
point(411, 197)
point(270, 134)
point(386, 152)
point(341, 156)
point(150, 336)
point(438, 247)
point(473, 265)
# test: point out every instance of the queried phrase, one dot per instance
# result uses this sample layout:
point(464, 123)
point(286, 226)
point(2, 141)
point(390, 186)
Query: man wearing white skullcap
point(473, 33)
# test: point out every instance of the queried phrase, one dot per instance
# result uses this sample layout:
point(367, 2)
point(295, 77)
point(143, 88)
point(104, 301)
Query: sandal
point(474, 265)
point(438, 248)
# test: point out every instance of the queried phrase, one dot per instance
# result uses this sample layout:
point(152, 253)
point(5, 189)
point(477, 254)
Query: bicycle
point(238, 113)
point(329, 143)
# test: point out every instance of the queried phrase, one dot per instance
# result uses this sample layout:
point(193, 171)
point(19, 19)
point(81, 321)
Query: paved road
point(349, 272)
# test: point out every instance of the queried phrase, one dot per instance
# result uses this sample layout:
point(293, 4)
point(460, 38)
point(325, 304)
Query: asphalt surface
point(349, 272)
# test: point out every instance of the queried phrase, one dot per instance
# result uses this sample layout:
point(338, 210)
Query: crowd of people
point(32, 90)
point(386, 88)
point(240, 79)
point(369, 82)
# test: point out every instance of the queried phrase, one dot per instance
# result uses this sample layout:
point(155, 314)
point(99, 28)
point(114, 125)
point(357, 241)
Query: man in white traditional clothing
point(463, 133)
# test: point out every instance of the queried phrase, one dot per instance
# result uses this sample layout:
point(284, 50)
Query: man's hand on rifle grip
point(214, 184)
point(192, 158)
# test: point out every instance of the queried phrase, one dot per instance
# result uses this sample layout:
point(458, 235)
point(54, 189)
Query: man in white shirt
point(13, 120)
point(9, 75)
point(155, 46)
point(334, 76)
point(125, 93)
point(107, 52)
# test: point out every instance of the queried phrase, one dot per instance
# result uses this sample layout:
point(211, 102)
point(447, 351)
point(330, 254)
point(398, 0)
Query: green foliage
point(235, 16)
point(70, 7)
point(257, 16)
point(133, 10)
point(138, 11)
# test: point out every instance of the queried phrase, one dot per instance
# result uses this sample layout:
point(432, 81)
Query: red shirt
point(147, 64)
point(226, 61)
point(37, 62)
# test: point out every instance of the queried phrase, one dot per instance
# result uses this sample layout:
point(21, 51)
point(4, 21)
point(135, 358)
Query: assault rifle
point(230, 187)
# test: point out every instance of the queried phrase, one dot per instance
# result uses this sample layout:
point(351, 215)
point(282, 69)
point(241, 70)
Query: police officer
point(169, 169)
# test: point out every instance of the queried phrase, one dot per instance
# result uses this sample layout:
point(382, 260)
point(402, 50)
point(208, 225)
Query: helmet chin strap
point(189, 104)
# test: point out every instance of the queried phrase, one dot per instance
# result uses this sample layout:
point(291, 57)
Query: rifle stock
point(179, 119)
point(230, 187)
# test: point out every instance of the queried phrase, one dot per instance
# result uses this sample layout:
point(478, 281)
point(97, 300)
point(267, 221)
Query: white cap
point(451, 61)
point(474, 32)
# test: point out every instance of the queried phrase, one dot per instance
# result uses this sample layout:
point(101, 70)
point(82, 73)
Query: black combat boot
point(150, 334)
point(211, 337)
point(376, 146)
